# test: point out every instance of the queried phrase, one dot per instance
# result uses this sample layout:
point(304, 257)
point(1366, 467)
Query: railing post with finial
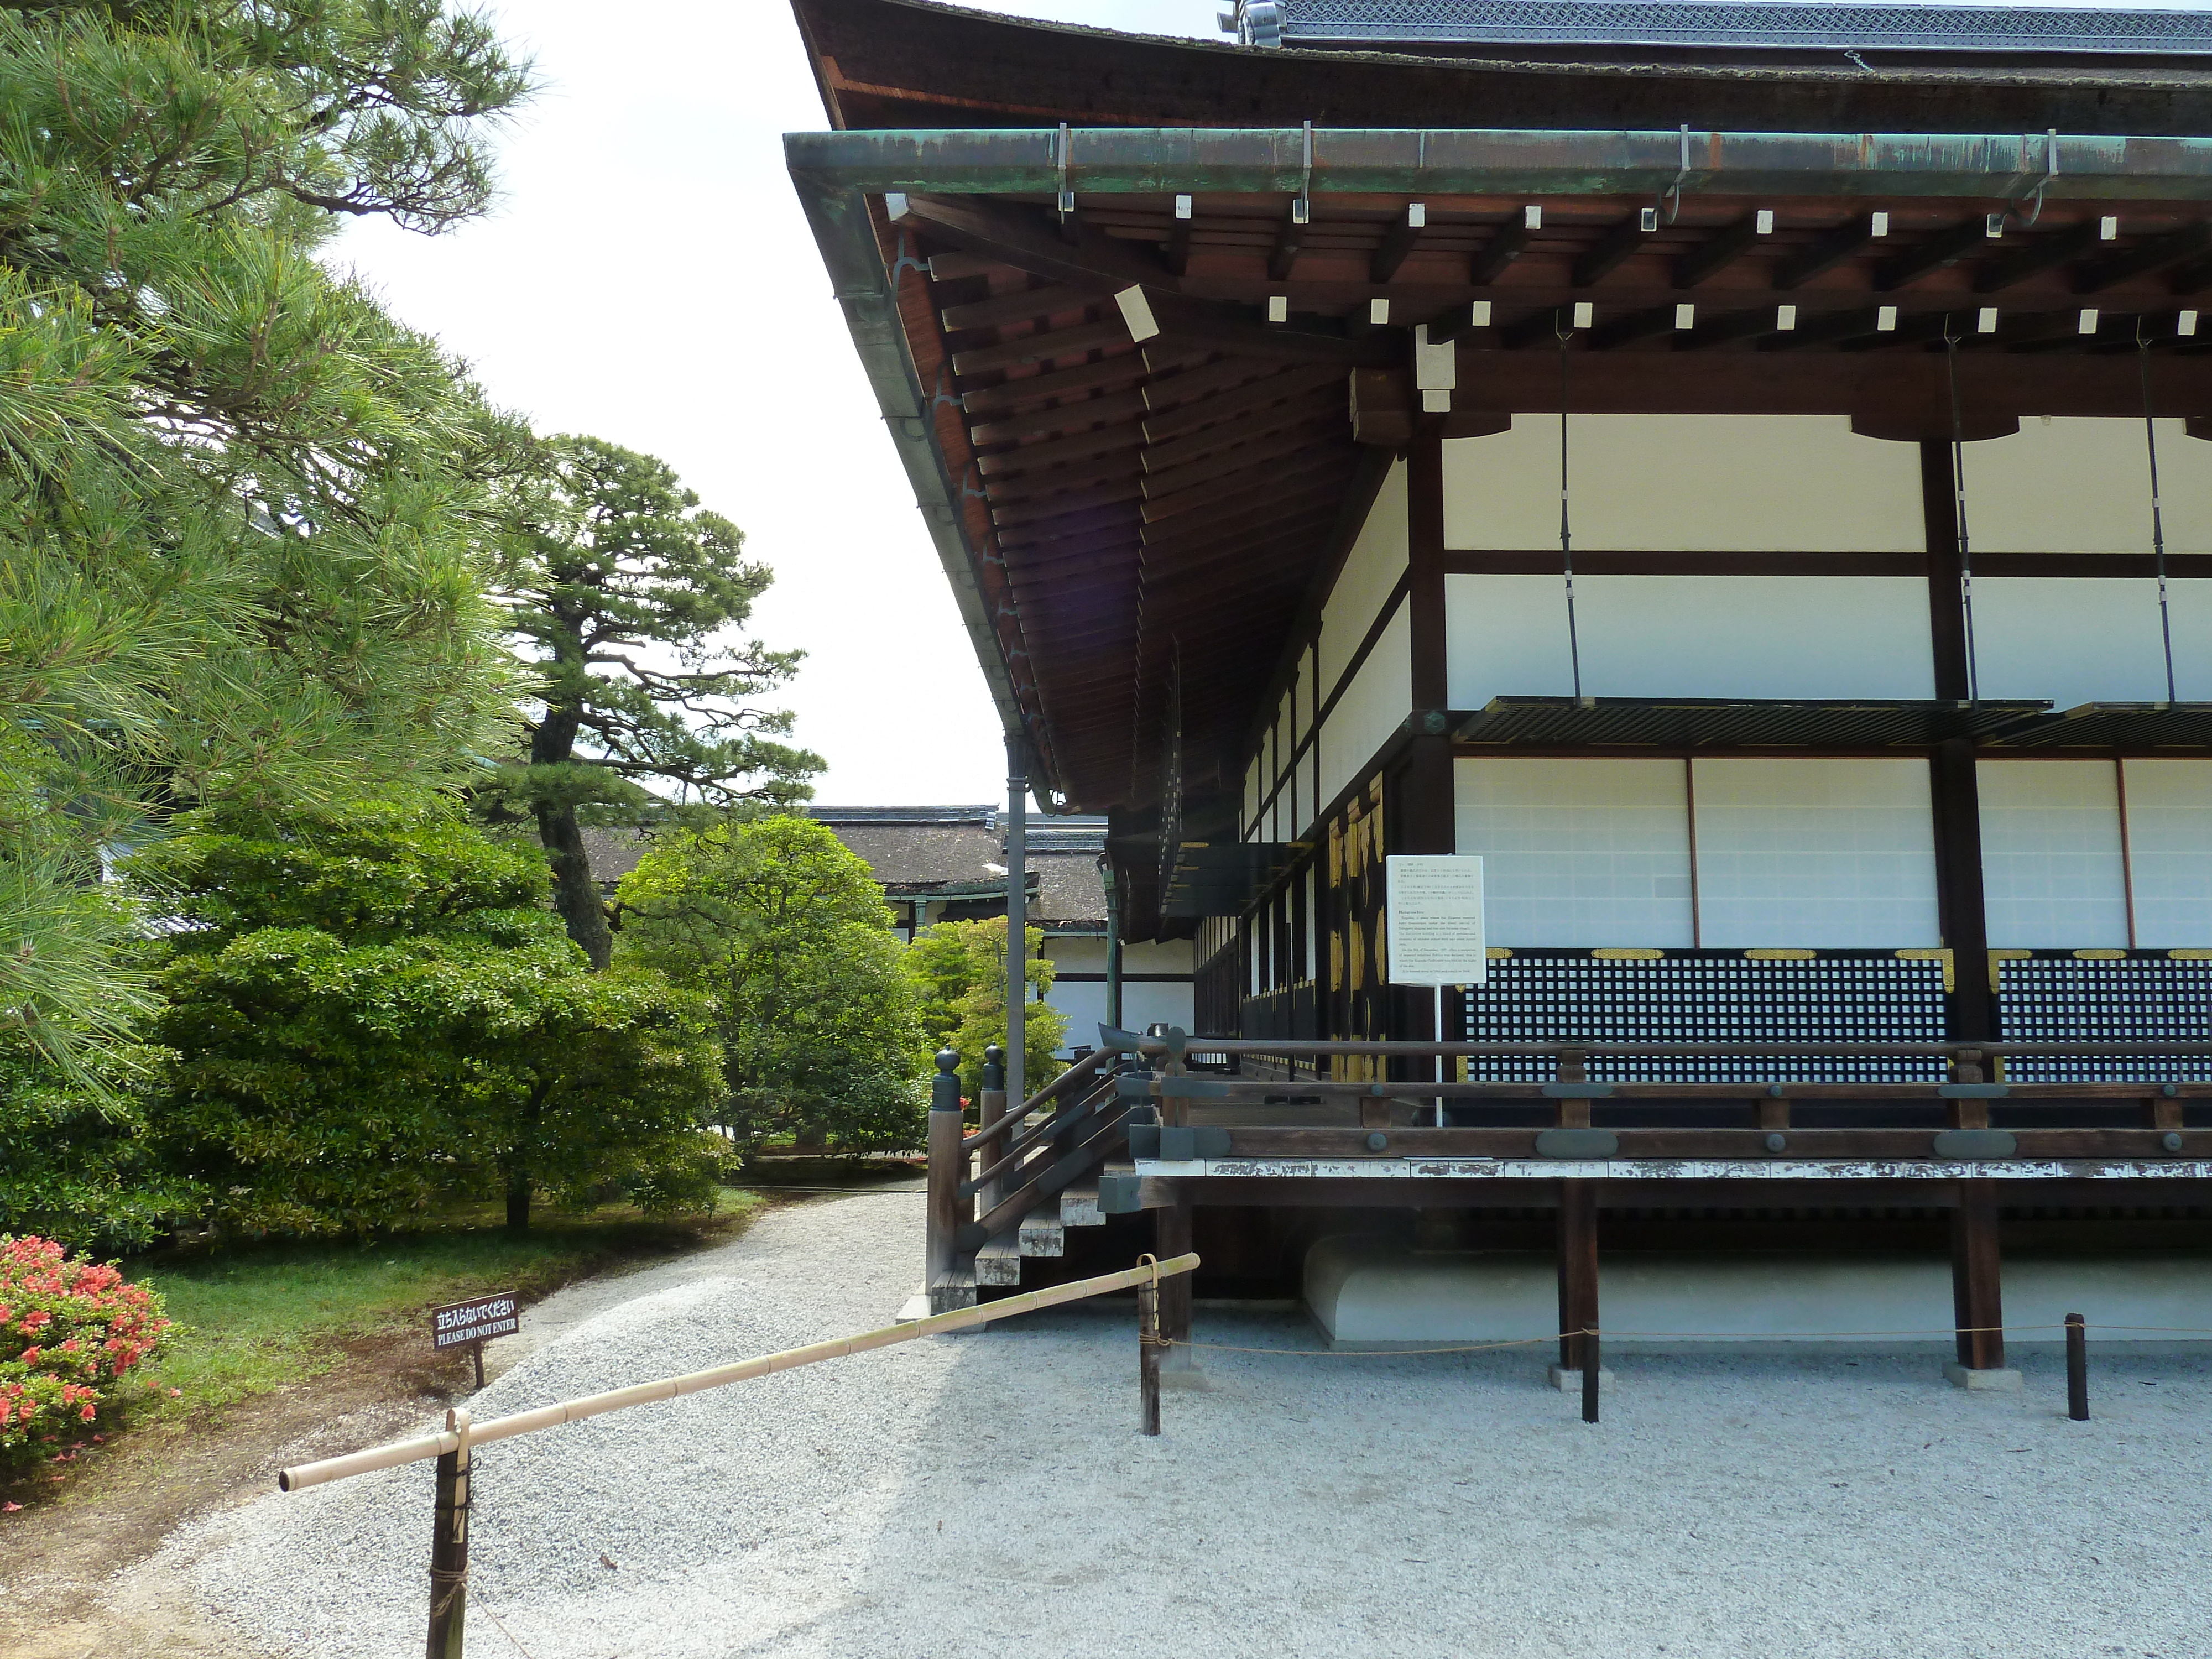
point(991, 1108)
point(948, 1167)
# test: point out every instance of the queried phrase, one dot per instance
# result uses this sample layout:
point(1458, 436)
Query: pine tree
point(243, 514)
point(620, 584)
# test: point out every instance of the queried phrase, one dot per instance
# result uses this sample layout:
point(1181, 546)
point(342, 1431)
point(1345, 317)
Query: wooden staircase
point(1040, 1179)
point(1041, 1232)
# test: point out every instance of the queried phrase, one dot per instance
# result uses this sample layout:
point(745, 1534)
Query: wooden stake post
point(2077, 1368)
point(449, 1544)
point(1148, 1352)
point(449, 1532)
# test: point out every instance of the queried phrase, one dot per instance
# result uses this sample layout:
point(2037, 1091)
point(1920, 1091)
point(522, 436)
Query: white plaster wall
point(2090, 639)
point(2054, 874)
point(1578, 852)
point(2170, 852)
point(1689, 637)
point(1686, 483)
point(1826, 855)
point(2081, 484)
point(1373, 706)
point(1370, 570)
point(1371, 1289)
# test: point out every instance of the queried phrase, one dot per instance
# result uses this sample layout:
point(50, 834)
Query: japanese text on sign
point(1434, 920)
point(477, 1321)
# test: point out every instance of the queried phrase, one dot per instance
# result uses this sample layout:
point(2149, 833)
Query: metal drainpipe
point(1113, 943)
point(1017, 916)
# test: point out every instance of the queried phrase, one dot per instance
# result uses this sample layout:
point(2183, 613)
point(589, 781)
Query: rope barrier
point(1613, 1335)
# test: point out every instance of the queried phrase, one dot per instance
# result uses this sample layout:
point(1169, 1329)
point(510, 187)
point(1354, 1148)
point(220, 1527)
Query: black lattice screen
point(1709, 996)
point(2145, 996)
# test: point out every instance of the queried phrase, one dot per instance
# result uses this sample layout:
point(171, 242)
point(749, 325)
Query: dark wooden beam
point(1207, 503)
point(1289, 240)
point(1112, 468)
point(1718, 251)
point(1725, 330)
point(1931, 253)
point(1279, 455)
point(1115, 372)
point(1228, 327)
point(2190, 277)
point(1071, 417)
point(1187, 418)
point(1537, 328)
point(1627, 331)
point(1397, 242)
point(1915, 331)
point(1026, 306)
point(1167, 391)
point(2095, 276)
point(1614, 248)
point(1177, 251)
point(1065, 506)
point(1043, 348)
point(1282, 449)
point(1501, 250)
point(1028, 239)
point(1829, 329)
point(1826, 254)
point(2040, 254)
point(1057, 452)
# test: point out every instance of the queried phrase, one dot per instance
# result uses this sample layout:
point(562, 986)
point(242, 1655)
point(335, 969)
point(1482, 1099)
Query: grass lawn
point(256, 1317)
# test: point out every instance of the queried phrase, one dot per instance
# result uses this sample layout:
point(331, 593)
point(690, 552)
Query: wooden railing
point(1969, 1114)
point(982, 1183)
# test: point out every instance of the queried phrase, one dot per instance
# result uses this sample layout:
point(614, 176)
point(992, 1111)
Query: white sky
point(648, 279)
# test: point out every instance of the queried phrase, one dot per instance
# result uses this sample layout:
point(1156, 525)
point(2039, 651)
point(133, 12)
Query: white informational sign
point(1434, 920)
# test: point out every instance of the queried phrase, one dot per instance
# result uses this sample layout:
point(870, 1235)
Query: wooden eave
point(1106, 505)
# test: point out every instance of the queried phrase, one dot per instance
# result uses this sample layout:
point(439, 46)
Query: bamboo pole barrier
point(302, 1476)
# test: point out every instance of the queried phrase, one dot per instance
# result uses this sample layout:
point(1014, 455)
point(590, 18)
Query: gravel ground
point(986, 1495)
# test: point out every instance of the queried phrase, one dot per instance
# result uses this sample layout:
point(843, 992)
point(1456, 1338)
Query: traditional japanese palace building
point(1743, 470)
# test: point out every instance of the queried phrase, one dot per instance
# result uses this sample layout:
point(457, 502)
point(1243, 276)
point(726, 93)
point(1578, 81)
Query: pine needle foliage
point(627, 597)
point(244, 515)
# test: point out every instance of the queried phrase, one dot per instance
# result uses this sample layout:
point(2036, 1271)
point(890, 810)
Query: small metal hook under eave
point(1066, 151)
point(1301, 208)
point(1671, 197)
point(2049, 173)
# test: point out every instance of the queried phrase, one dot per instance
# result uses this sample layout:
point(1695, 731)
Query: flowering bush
point(69, 1330)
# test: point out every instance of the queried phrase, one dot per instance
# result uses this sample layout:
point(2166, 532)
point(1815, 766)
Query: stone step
point(1079, 1206)
point(1041, 1231)
point(999, 1261)
point(955, 1290)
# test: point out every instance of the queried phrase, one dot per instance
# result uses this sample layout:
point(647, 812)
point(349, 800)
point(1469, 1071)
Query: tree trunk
point(518, 1201)
point(575, 894)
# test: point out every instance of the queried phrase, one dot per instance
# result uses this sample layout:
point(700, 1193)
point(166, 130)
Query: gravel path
point(987, 1495)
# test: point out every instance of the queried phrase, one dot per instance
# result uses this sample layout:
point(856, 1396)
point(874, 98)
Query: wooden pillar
point(1578, 1269)
point(1947, 611)
point(1955, 798)
point(1171, 1229)
point(1976, 1292)
point(1421, 816)
point(1954, 792)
